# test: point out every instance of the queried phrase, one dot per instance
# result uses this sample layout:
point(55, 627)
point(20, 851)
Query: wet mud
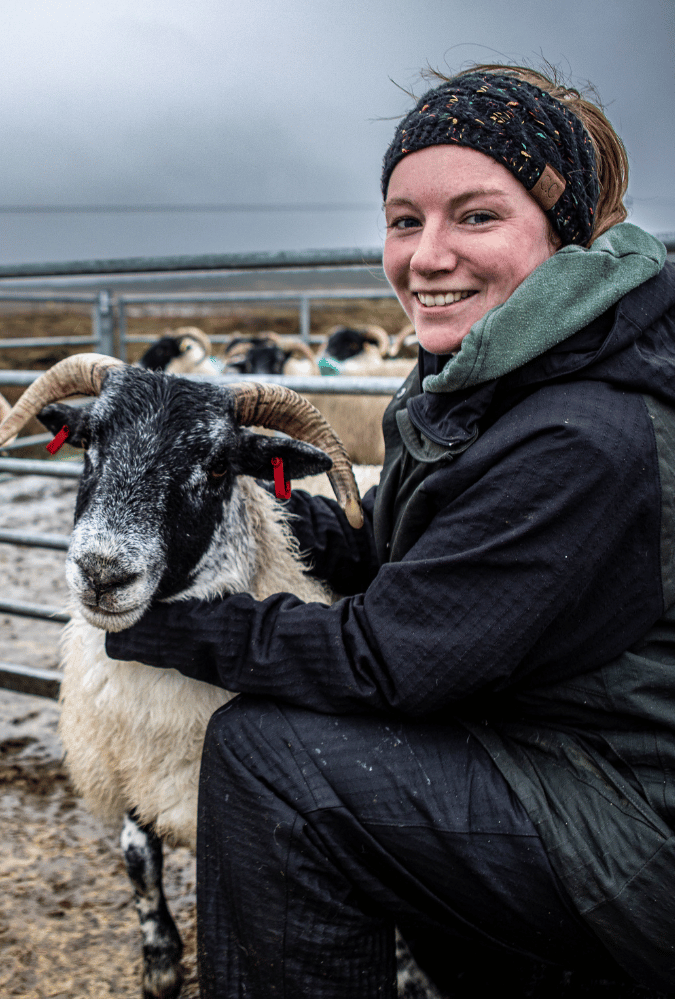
point(68, 927)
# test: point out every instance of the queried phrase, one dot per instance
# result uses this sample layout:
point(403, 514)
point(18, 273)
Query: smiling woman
point(462, 234)
point(474, 744)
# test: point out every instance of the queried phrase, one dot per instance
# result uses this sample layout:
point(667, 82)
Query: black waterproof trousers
point(319, 833)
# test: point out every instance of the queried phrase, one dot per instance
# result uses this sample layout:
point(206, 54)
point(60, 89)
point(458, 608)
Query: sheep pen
point(66, 890)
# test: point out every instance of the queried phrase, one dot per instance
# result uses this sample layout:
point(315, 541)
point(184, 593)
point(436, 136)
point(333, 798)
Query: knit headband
point(529, 132)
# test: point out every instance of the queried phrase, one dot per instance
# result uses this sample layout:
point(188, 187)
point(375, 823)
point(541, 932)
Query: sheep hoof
point(162, 982)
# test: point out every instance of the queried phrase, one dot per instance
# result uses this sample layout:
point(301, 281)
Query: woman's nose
point(434, 251)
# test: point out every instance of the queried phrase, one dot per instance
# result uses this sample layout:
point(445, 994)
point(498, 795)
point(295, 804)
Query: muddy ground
point(68, 929)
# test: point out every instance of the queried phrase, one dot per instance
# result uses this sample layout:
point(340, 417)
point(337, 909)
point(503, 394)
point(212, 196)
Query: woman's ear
point(554, 240)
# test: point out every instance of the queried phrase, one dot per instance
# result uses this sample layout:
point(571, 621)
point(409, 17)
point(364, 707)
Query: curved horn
point(400, 339)
point(380, 336)
point(240, 342)
point(297, 347)
point(5, 410)
point(303, 349)
point(374, 334)
point(279, 408)
point(81, 374)
point(235, 345)
point(193, 333)
point(238, 349)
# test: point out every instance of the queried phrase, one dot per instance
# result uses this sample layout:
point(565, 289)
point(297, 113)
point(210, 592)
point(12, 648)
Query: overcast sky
point(142, 102)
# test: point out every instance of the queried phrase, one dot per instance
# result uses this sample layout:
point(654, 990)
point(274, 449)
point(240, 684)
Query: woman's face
point(462, 233)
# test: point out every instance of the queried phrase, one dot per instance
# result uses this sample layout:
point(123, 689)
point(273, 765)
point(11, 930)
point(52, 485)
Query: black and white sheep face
point(160, 354)
point(266, 359)
point(159, 513)
point(345, 343)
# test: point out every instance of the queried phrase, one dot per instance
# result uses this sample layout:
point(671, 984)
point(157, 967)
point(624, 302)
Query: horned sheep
point(183, 351)
point(269, 354)
point(365, 351)
point(167, 508)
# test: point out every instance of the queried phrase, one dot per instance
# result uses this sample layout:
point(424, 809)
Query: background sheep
point(269, 354)
point(364, 350)
point(186, 350)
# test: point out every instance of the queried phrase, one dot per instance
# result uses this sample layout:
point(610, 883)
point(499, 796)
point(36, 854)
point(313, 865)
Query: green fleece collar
point(565, 293)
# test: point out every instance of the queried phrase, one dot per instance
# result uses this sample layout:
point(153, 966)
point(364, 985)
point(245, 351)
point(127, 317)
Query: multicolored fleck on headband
point(532, 134)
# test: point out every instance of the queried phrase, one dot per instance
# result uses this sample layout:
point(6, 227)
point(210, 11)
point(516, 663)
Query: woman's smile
point(430, 299)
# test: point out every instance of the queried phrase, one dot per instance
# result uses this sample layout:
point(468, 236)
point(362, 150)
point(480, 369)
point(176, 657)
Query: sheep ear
point(254, 457)
point(58, 415)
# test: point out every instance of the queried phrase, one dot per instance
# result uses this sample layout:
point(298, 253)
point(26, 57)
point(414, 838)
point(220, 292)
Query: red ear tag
point(282, 490)
point(54, 445)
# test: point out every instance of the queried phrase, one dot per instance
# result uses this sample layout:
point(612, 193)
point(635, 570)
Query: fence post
point(304, 318)
point(104, 323)
point(122, 329)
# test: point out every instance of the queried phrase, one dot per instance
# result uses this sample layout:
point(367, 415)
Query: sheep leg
point(412, 982)
point(162, 945)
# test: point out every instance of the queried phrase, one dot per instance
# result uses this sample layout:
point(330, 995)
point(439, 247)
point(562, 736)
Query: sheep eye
point(218, 472)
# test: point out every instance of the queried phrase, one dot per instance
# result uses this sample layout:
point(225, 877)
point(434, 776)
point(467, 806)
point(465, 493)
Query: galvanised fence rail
point(111, 287)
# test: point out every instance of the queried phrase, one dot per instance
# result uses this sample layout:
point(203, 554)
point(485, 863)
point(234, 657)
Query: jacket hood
point(561, 296)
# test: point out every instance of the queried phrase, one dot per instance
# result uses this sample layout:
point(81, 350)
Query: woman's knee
point(243, 725)
point(253, 738)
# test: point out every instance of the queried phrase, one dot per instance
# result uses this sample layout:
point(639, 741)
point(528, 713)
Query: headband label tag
point(549, 188)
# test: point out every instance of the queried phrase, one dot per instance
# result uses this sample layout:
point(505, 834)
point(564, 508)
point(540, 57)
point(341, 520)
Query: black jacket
point(517, 570)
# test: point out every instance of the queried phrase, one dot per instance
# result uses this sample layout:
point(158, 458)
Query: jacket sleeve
point(542, 559)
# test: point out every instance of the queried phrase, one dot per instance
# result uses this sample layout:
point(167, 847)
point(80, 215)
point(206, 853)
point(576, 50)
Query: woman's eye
point(406, 222)
point(479, 218)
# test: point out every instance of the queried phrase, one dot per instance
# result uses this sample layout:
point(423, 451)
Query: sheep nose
point(103, 578)
point(116, 582)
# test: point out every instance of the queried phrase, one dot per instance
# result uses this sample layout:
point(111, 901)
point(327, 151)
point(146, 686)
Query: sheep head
point(344, 342)
point(187, 343)
point(159, 508)
point(267, 354)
